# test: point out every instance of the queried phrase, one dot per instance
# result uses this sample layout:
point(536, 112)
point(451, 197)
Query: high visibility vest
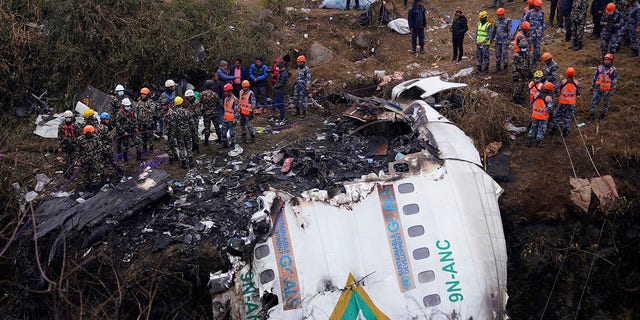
point(539, 110)
point(229, 113)
point(69, 130)
point(534, 90)
point(516, 41)
point(245, 103)
point(605, 78)
point(483, 32)
point(568, 92)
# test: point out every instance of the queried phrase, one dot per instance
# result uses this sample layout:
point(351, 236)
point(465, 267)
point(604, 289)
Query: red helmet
point(609, 56)
point(227, 87)
point(531, 2)
point(538, 3)
point(88, 129)
point(570, 72)
point(610, 8)
point(525, 25)
point(301, 59)
point(500, 11)
point(548, 85)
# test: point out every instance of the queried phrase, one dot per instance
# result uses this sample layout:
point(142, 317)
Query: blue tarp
point(342, 4)
point(514, 26)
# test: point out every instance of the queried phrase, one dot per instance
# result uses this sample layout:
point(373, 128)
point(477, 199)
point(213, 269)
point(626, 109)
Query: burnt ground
point(547, 236)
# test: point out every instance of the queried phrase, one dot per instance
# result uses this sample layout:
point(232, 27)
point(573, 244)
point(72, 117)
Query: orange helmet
point(500, 11)
point(246, 84)
point(145, 91)
point(227, 87)
point(546, 56)
point(88, 129)
point(531, 2)
point(610, 8)
point(570, 72)
point(538, 3)
point(301, 59)
point(609, 56)
point(525, 25)
point(548, 85)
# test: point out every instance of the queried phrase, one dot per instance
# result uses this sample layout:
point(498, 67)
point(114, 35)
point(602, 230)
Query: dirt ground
point(593, 256)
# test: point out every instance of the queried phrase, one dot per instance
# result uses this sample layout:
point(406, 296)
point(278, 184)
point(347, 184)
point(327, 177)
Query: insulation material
point(581, 193)
point(605, 190)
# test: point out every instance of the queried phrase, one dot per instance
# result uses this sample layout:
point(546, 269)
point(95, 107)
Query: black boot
point(591, 117)
point(552, 131)
point(125, 157)
point(183, 164)
point(191, 163)
point(304, 113)
point(196, 147)
point(572, 45)
point(479, 68)
point(138, 155)
point(297, 111)
point(528, 144)
point(498, 69)
point(253, 139)
point(244, 138)
point(634, 53)
point(565, 132)
point(505, 69)
point(206, 139)
point(539, 144)
point(601, 117)
point(486, 68)
point(225, 144)
point(578, 46)
point(232, 145)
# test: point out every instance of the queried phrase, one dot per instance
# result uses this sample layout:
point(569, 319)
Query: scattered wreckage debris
point(603, 187)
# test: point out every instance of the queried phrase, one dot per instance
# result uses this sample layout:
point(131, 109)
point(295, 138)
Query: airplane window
point(267, 276)
point(262, 251)
point(421, 253)
point(406, 188)
point(415, 231)
point(410, 209)
point(426, 276)
point(431, 300)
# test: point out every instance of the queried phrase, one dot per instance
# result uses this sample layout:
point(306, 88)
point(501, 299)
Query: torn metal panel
point(95, 99)
point(421, 89)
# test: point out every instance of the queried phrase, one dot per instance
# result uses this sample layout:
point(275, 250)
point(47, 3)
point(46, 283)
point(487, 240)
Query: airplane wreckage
point(386, 214)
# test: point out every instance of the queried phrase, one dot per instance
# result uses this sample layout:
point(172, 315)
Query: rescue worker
point(229, 118)
point(578, 20)
point(500, 36)
point(541, 108)
point(168, 115)
point(522, 34)
point(535, 85)
point(611, 25)
point(208, 104)
point(144, 111)
point(126, 130)
point(302, 86)
point(246, 105)
point(169, 90)
point(104, 133)
point(280, 89)
point(569, 91)
point(536, 21)
point(530, 5)
point(89, 157)
point(90, 118)
point(549, 69)
point(521, 72)
point(632, 26)
point(68, 132)
point(191, 105)
point(180, 126)
point(484, 29)
point(117, 99)
point(603, 86)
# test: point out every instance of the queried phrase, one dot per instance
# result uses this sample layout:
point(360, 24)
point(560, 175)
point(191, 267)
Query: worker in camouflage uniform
point(611, 28)
point(569, 91)
point(521, 73)
point(604, 85)
point(208, 104)
point(623, 8)
point(501, 29)
point(229, 117)
point(301, 86)
point(105, 134)
point(246, 105)
point(68, 132)
point(535, 18)
point(541, 109)
point(180, 124)
point(578, 19)
point(549, 69)
point(116, 100)
point(484, 29)
point(190, 103)
point(90, 117)
point(145, 111)
point(126, 130)
point(167, 115)
point(632, 25)
point(89, 157)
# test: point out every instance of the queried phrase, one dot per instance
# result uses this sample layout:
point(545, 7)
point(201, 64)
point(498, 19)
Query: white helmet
point(126, 102)
point(169, 83)
point(68, 114)
point(188, 93)
point(119, 88)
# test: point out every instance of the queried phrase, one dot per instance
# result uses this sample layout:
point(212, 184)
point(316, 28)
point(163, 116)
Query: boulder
point(319, 54)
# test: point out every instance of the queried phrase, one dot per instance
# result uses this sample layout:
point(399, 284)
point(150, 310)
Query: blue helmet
point(105, 115)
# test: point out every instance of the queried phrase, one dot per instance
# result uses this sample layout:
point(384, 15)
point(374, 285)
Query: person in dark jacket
point(597, 10)
point(240, 73)
point(259, 78)
point(564, 12)
point(458, 28)
point(223, 72)
point(417, 24)
point(280, 89)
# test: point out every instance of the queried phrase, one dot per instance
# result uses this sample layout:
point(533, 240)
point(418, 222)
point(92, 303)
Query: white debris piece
point(237, 150)
point(463, 73)
point(30, 196)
